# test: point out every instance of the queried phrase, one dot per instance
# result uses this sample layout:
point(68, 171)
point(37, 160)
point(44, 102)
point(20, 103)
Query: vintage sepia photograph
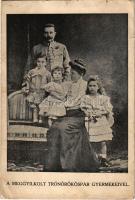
point(67, 99)
point(67, 91)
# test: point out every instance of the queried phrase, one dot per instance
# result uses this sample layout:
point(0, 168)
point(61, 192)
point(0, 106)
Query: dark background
point(100, 39)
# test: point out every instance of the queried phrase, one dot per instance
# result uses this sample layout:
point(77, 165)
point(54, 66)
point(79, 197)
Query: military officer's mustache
point(49, 37)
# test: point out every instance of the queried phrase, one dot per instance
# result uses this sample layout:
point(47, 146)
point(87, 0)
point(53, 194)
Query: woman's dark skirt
point(69, 149)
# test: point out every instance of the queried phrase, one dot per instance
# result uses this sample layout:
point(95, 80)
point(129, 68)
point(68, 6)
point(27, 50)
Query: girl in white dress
point(99, 116)
point(53, 105)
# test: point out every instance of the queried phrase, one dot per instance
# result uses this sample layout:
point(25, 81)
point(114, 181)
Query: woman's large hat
point(78, 65)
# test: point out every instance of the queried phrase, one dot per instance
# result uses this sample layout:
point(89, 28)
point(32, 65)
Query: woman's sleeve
point(84, 106)
point(83, 103)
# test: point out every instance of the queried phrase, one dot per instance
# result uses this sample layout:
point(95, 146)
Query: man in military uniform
point(55, 52)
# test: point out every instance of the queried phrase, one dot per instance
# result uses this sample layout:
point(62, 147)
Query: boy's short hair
point(39, 56)
point(57, 68)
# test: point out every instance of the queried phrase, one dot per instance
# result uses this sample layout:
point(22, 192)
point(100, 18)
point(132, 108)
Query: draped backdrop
point(100, 39)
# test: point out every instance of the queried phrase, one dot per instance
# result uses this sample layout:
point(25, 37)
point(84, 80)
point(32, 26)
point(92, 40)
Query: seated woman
point(69, 149)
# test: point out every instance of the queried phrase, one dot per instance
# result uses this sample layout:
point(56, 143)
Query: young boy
point(34, 81)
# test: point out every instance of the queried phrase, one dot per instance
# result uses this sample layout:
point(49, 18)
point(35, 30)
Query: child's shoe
point(104, 163)
point(50, 121)
point(40, 121)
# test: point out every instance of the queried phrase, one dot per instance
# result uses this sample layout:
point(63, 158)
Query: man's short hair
point(49, 25)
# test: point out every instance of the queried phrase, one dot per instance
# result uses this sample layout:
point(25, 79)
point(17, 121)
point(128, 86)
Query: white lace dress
point(53, 105)
point(99, 117)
